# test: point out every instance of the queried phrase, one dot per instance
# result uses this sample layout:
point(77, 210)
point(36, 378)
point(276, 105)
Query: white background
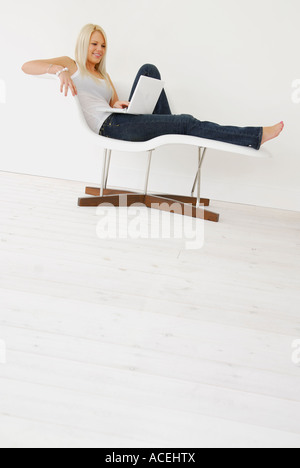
point(232, 62)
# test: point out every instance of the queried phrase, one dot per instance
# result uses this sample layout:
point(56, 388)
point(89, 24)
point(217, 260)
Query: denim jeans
point(145, 127)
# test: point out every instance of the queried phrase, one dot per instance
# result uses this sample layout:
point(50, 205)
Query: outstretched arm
point(52, 66)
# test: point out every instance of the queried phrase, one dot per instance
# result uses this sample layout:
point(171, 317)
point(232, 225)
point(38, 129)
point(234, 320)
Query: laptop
point(145, 97)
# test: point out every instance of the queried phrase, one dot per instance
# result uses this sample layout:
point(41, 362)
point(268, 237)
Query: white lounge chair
point(190, 206)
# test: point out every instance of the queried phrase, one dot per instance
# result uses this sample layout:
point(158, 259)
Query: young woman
point(87, 78)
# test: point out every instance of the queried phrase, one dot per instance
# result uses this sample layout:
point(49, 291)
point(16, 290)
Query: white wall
point(232, 62)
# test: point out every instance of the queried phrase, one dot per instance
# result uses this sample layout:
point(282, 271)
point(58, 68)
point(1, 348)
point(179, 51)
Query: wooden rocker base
point(172, 203)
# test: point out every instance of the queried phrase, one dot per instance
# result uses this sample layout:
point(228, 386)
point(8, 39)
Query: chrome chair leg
point(201, 155)
point(148, 171)
point(103, 172)
point(108, 166)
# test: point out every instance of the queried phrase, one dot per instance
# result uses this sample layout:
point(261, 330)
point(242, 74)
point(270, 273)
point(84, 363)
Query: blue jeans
point(145, 127)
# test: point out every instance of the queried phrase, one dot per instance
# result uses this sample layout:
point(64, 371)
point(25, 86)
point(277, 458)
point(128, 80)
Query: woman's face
point(96, 48)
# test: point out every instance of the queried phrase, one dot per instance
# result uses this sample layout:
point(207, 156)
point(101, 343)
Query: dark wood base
point(172, 203)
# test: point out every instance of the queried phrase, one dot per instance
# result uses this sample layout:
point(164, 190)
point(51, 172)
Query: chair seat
point(121, 145)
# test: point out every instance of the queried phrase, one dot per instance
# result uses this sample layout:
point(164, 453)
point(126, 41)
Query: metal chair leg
point(108, 165)
point(148, 171)
point(197, 181)
point(103, 172)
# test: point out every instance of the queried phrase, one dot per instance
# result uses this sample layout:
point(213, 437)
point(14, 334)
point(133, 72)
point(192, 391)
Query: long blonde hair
point(81, 51)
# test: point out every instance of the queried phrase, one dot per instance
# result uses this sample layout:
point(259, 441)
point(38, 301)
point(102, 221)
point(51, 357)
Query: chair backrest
point(80, 113)
point(84, 125)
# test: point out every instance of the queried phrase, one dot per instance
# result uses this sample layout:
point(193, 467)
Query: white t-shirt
point(94, 97)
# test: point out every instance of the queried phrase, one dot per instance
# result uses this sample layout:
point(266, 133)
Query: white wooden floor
point(142, 343)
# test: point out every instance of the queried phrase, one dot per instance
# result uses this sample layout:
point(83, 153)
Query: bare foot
point(271, 132)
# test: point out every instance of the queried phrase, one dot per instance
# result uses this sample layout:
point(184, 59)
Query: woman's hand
point(66, 82)
point(121, 104)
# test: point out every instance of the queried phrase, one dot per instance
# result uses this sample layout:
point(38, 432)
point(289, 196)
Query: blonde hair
point(81, 51)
